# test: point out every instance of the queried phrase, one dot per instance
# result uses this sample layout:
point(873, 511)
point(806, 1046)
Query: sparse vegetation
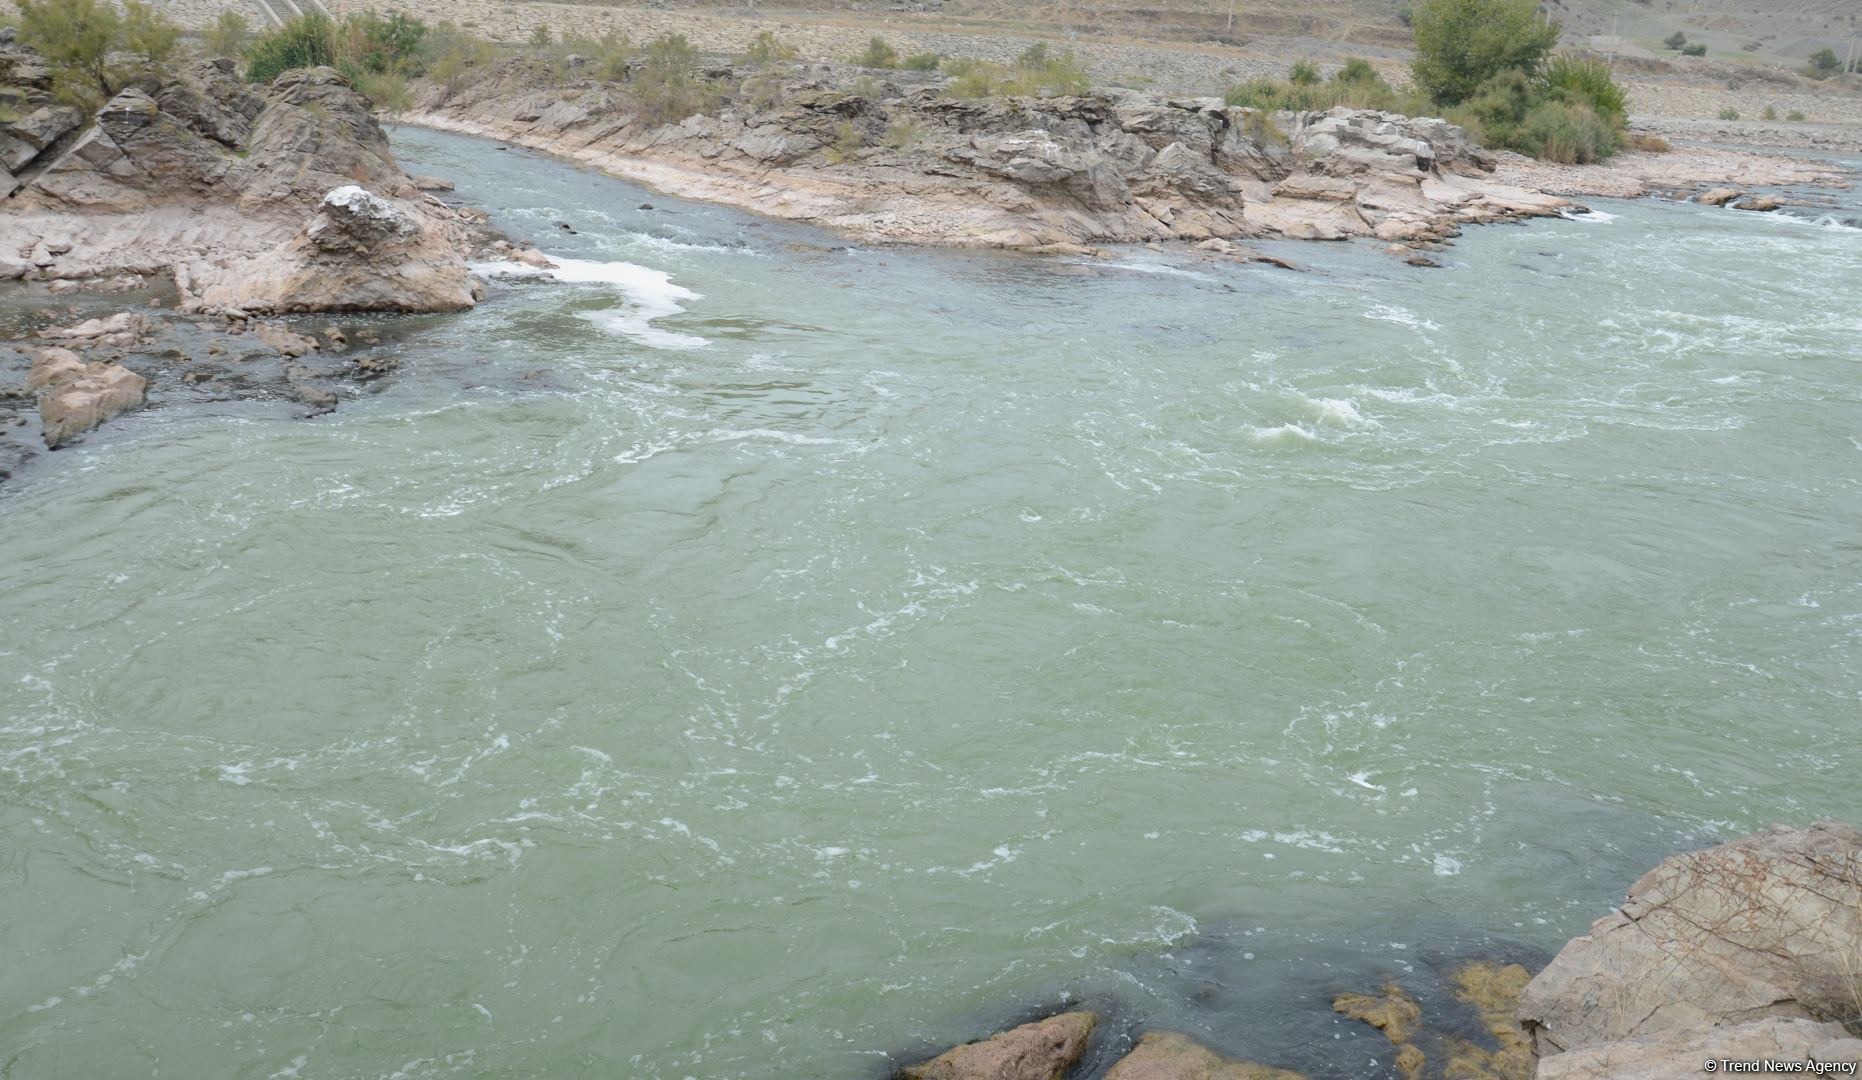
point(1695, 49)
point(1795, 115)
point(1769, 113)
point(847, 143)
point(1037, 72)
point(878, 54)
point(766, 49)
point(1676, 41)
point(1303, 73)
point(1729, 114)
point(901, 133)
point(668, 86)
point(924, 61)
point(1356, 85)
point(83, 42)
point(1647, 144)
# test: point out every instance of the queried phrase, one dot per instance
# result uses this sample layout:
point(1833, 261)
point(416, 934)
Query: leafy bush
point(1588, 82)
point(1694, 50)
point(1356, 70)
point(766, 49)
point(1303, 73)
point(1823, 64)
point(79, 40)
point(1460, 44)
point(1729, 114)
point(227, 36)
point(456, 59)
point(306, 41)
point(1567, 132)
point(924, 61)
point(1536, 118)
point(386, 89)
point(878, 54)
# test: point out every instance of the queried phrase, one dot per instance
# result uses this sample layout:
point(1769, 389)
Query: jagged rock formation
point(220, 183)
point(899, 160)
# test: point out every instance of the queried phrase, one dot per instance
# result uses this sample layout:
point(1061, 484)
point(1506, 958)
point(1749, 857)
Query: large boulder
point(1039, 1051)
point(359, 252)
point(1685, 1055)
point(75, 397)
point(1768, 926)
point(1167, 1055)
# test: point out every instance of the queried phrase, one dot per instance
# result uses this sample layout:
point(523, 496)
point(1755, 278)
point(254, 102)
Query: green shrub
point(878, 54)
point(1769, 113)
point(1567, 132)
point(1460, 44)
point(81, 39)
point(455, 59)
point(1823, 64)
point(847, 142)
point(1676, 41)
point(1356, 70)
point(1729, 114)
point(1694, 50)
point(1794, 115)
point(386, 89)
point(1588, 82)
point(227, 36)
point(924, 61)
point(1303, 73)
point(303, 42)
point(766, 49)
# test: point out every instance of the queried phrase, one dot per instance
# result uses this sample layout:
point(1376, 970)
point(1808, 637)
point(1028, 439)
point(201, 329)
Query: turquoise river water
point(756, 657)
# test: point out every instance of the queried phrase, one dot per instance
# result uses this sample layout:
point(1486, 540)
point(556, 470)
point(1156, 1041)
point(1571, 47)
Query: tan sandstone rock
point(1683, 1055)
point(1718, 196)
point(1042, 1050)
point(1167, 1055)
point(1768, 926)
point(75, 397)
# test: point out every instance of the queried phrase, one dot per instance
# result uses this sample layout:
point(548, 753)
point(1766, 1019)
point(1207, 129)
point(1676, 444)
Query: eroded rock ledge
point(897, 160)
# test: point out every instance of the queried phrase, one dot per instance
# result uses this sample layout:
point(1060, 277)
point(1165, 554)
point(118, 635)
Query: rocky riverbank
point(1744, 952)
point(893, 157)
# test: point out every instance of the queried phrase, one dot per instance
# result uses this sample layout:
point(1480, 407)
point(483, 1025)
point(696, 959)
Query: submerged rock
point(1042, 1050)
point(1492, 990)
point(1167, 1055)
point(1768, 926)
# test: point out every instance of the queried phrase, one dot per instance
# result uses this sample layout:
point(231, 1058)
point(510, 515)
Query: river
point(760, 657)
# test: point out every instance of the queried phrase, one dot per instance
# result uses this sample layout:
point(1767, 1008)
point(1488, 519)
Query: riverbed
point(750, 655)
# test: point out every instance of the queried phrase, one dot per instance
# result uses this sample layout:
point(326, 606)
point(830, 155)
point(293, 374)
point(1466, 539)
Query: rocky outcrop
point(1769, 926)
point(75, 397)
point(1167, 1055)
point(901, 160)
point(228, 187)
point(1039, 1051)
point(1683, 1055)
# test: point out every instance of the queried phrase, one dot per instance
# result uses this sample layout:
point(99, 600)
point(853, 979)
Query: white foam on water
point(1393, 314)
point(1595, 217)
point(647, 294)
point(1284, 435)
point(1337, 412)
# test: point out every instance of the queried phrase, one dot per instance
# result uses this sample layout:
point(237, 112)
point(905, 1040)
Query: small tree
point(78, 37)
point(227, 36)
point(1823, 64)
point(1460, 44)
point(1676, 41)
